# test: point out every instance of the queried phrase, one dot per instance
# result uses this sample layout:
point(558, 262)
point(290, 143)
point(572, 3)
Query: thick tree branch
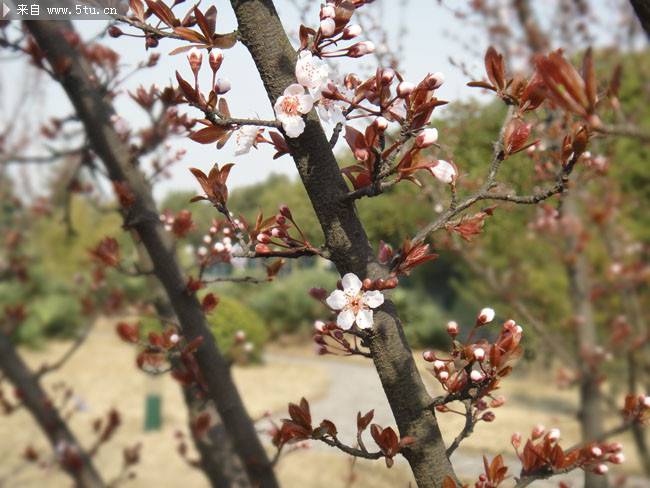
point(262, 33)
point(77, 79)
point(35, 400)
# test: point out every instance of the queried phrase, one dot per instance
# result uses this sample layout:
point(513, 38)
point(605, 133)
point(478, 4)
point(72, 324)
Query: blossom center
point(290, 105)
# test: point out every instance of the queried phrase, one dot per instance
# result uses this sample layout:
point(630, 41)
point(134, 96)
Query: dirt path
point(355, 386)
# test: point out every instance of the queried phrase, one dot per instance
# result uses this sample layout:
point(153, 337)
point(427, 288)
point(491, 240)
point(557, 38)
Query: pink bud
point(553, 435)
point(443, 375)
point(617, 458)
point(381, 123)
point(488, 417)
point(352, 31)
point(426, 138)
point(361, 49)
point(222, 85)
point(440, 79)
point(215, 59)
point(515, 439)
point(319, 325)
point(601, 469)
point(405, 88)
point(646, 402)
point(195, 58)
point(616, 447)
point(263, 238)
point(438, 365)
point(387, 76)
point(479, 354)
point(538, 431)
point(428, 356)
point(240, 336)
point(476, 376)
point(284, 210)
point(452, 328)
point(327, 26)
point(486, 315)
point(444, 171)
point(327, 12)
point(596, 451)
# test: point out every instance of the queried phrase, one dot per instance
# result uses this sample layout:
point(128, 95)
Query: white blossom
point(290, 107)
point(311, 72)
point(245, 138)
point(353, 304)
point(444, 171)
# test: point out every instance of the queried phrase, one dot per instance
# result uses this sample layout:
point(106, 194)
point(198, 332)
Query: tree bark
point(590, 415)
point(78, 80)
point(35, 400)
point(262, 33)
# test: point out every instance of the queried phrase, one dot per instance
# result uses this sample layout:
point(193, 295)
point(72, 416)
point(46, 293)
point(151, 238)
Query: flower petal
point(293, 126)
point(345, 319)
point(351, 284)
point(364, 319)
point(294, 89)
point(373, 298)
point(305, 103)
point(337, 300)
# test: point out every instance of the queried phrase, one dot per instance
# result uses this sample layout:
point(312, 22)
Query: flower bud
point(352, 31)
point(438, 365)
point(195, 58)
point(617, 458)
point(151, 42)
point(596, 451)
point(515, 440)
point(428, 356)
point(361, 49)
point(438, 79)
point(538, 431)
point(215, 59)
point(405, 88)
point(381, 123)
point(646, 402)
point(249, 347)
point(444, 171)
point(263, 238)
point(601, 469)
point(554, 435)
point(476, 376)
point(284, 210)
point(426, 138)
point(479, 354)
point(114, 31)
point(327, 12)
point(488, 417)
point(486, 315)
point(443, 375)
point(222, 85)
point(240, 336)
point(319, 325)
point(202, 251)
point(387, 76)
point(327, 27)
point(452, 329)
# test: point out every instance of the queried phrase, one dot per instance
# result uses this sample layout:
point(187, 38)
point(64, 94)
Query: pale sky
point(430, 42)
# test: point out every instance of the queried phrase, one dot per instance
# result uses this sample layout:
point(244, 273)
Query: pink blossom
point(245, 138)
point(311, 72)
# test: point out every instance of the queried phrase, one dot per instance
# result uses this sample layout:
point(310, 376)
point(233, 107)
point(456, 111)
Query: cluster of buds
point(330, 339)
point(274, 233)
point(180, 224)
point(106, 253)
point(219, 242)
point(473, 370)
point(335, 27)
point(158, 350)
point(542, 454)
point(637, 408)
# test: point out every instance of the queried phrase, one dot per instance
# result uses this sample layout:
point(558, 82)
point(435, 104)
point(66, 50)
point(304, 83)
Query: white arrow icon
point(5, 10)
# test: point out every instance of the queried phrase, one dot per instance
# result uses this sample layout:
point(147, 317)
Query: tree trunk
point(79, 82)
point(35, 400)
point(590, 414)
point(262, 33)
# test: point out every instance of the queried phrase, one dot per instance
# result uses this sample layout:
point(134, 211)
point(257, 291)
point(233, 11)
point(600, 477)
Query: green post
point(152, 406)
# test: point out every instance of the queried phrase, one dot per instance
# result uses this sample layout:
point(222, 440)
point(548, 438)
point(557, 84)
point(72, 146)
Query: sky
point(432, 39)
